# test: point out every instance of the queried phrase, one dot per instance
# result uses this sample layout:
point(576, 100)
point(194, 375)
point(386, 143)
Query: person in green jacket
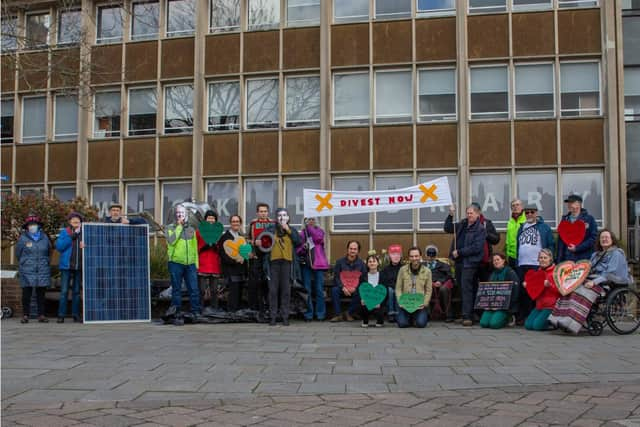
point(182, 249)
point(497, 319)
point(513, 225)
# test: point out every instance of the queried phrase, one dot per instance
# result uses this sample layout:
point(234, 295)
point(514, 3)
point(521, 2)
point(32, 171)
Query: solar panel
point(115, 264)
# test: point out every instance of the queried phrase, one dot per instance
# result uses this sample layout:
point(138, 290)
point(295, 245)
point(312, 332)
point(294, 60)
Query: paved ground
point(312, 373)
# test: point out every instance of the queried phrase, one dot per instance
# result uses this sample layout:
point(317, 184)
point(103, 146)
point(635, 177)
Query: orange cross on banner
point(429, 193)
point(324, 202)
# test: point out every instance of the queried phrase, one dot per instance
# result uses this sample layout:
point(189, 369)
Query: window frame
point(179, 33)
point(333, 99)
point(64, 137)
point(235, 127)
point(375, 96)
point(11, 140)
point(150, 36)
point(434, 174)
point(285, 185)
point(59, 30)
point(263, 27)
point(485, 10)
point(553, 93)
point(285, 92)
point(93, 129)
point(155, 129)
point(435, 12)
point(15, 37)
point(561, 196)
point(394, 15)
point(108, 40)
point(599, 113)
point(182, 129)
point(55, 187)
point(243, 188)
point(303, 23)
point(247, 123)
point(235, 181)
point(332, 224)
point(455, 94)
point(508, 86)
point(350, 19)
point(516, 190)
point(138, 184)
point(412, 226)
point(226, 29)
point(491, 172)
point(93, 186)
point(170, 182)
point(27, 44)
point(22, 121)
point(573, 4)
point(531, 7)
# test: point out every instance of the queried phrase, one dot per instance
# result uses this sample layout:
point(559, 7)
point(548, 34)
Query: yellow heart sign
point(232, 248)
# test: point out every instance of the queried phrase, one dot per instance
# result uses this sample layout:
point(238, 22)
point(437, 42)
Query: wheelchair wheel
point(623, 311)
point(593, 326)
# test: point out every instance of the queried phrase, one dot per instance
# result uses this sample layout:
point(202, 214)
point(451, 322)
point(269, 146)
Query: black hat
point(573, 198)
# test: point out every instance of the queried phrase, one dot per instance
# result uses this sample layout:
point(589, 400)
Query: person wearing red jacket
point(209, 270)
point(538, 318)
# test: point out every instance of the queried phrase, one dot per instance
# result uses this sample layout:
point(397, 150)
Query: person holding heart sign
point(413, 290)
point(346, 278)
point(209, 271)
point(577, 232)
point(541, 287)
point(372, 293)
point(234, 267)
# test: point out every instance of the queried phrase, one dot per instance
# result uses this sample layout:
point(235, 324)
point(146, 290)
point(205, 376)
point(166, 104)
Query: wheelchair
point(618, 306)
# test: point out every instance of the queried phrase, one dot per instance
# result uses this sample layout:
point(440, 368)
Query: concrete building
point(240, 101)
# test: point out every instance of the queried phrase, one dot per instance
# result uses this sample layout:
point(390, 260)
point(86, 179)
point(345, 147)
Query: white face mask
point(283, 217)
point(33, 228)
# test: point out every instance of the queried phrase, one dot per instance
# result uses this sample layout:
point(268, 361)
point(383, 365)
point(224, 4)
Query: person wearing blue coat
point(584, 249)
point(69, 244)
point(33, 254)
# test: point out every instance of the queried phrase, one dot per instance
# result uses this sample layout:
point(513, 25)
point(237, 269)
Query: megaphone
point(264, 241)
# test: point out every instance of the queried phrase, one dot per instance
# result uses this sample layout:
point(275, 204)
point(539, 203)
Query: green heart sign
point(411, 302)
point(211, 232)
point(372, 295)
point(245, 250)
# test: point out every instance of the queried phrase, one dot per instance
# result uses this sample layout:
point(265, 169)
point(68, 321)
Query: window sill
point(221, 132)
point(129, 137)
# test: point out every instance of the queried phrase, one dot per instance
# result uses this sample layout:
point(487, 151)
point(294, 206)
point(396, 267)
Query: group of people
point(207, 258)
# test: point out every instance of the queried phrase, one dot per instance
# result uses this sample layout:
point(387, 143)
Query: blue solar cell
point(116, 273)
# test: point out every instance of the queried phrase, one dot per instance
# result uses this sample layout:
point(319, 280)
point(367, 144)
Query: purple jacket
point(318, 255)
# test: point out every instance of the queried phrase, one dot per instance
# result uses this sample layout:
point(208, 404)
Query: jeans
point(392, 302)
point(188, 273)
point(418, 317)
point(318, 291)
point(336, 294)
point(66, 277)
point(280, 285)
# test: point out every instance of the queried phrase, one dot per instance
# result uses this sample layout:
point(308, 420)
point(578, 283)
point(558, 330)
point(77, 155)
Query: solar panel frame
point(114, 317)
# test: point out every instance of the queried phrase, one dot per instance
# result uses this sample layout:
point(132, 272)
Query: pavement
point(314, 373)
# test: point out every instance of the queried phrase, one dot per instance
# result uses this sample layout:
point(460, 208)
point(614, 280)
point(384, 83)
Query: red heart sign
point(569, 275)
point(572, 233)
point(350, 279)
point(535, 282)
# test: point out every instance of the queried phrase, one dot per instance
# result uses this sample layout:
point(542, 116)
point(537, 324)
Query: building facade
point(241, 101)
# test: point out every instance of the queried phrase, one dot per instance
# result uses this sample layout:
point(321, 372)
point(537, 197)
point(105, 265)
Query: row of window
point(224, 15)
point(533, 89)
point(493, 191)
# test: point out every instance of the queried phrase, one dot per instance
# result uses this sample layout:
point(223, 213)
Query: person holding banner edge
point(467, 249)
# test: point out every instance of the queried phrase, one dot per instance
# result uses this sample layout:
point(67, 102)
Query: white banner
point(331, 203)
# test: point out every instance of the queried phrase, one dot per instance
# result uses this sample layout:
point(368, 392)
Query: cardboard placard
point(411, 302)
point(372, 296)
point(350, 279)
point(568, 275)
point(493, 295)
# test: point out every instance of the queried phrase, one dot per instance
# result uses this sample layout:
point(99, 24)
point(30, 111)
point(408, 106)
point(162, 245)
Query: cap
point(394, 249)
point(531, 207)
point(115, 205)
point(573, 198)
point(32, 219)
point(431, 251)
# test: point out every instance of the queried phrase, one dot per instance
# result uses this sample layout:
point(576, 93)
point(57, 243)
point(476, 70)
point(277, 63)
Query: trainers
point(467, 322)
point(178, 321)
point(364, 325)
point(60, 320)
point(335, 319)
point(348, 317)
point(379, 325)
point(512, 322)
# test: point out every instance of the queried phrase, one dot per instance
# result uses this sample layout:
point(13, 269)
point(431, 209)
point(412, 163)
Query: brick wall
point(11, 295)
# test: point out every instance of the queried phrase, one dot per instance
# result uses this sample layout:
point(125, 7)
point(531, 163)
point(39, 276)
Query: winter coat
point(404, 283)
point(182, 244)
point(546, 236)
point(132, 221)
point(65, 243)
point(441, 272)
point(230, 267)
point(586, 247)
point(33, 260)
point(343, 264)
point(472, 252)
point(319, 256)
point(513, 230)
point(295, 274)
point(208, 257)
point(550, 295)
point(389, 275)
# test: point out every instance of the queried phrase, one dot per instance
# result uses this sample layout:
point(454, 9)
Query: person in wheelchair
point(608, 268)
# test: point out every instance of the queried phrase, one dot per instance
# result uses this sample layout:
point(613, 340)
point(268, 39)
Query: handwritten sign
point(411, 302)
point(568, 275)
point(493, 295)
point(372, 296)
point(350, 279)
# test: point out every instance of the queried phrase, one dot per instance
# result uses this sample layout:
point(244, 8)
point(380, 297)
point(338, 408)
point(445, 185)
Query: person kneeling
point(373, 278)
point(498, 319)
point(538, 319)
point(414, 278)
